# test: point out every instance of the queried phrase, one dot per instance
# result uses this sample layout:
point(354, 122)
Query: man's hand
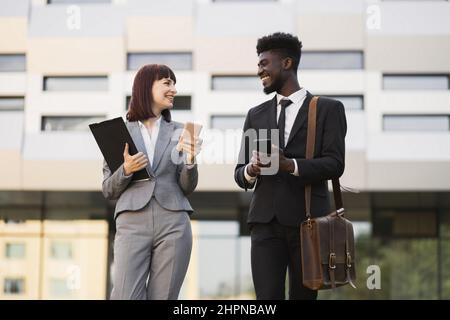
point(285, 164)
point(258, 161)
point(133, 163)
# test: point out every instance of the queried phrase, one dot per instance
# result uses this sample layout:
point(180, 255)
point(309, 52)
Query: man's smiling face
point(269, 71)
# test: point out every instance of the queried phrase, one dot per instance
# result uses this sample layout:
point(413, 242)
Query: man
point(277, 207)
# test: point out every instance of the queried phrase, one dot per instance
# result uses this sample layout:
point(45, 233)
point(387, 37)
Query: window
point(61, 250)
point(180, 103)
point(11, 103)
point(322, 60)
point(12, 62)
point(175, 60)
point(14, 286)
point(68, 123)
point(87, 83)
point(350, 102)
point(405, 223)
point(227, 122)
point(416, 82)
point(15, 250)
point(59, 288)
point(416, 123)
point(237, 82)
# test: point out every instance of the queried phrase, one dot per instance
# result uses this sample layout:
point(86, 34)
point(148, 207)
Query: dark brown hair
point(142, 98)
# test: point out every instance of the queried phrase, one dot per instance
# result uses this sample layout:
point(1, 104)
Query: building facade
point(65, 64)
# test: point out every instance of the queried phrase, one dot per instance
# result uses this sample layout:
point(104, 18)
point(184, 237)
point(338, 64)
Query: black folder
point(111, 136)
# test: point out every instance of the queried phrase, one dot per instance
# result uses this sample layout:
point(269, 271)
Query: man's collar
point(296, 97)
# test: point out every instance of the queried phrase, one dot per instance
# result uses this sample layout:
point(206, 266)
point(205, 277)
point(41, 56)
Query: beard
point(275, 86)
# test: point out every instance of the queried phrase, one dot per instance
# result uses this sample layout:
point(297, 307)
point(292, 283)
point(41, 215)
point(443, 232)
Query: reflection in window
point(69, 123)
point(11, 103)
point(15, 250)
point(61, 250)
point(227, 122)
point(12, 63)
point(14, 286)
point(416, 123)
point(174, 60)
point(78, 83)
point(236, 82)
point(337, 60)
point(416, 82)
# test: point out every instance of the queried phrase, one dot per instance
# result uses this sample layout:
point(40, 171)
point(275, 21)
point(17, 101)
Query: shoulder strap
point(310, 144)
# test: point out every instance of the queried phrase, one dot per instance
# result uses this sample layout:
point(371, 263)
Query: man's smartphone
point(263, 146)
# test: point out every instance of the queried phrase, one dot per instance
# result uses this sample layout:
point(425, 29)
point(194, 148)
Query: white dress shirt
point(150, 136)
point(297, 99)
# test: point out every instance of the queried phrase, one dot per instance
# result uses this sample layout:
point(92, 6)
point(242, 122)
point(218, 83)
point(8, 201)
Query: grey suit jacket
point(170, 181)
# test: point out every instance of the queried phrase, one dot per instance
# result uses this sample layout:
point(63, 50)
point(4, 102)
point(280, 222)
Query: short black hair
point(286, 44)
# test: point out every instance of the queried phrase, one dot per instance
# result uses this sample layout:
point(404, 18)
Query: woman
point(153, 240)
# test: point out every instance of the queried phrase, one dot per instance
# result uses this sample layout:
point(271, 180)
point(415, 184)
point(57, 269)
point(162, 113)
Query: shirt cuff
point(249, 178)
point(295, 173)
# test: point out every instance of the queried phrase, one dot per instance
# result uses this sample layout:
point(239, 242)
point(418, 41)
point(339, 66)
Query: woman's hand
point(190, 149)
point(133, 163)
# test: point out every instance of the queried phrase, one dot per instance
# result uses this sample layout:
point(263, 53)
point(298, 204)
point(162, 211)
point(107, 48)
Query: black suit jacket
point(283, 195)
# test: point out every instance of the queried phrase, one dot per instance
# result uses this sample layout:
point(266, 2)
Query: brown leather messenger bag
point(327, 243)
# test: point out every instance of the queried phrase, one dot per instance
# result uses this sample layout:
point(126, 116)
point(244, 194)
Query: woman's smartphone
point(190, 131)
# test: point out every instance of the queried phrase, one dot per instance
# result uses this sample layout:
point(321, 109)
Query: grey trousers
point(152, 248)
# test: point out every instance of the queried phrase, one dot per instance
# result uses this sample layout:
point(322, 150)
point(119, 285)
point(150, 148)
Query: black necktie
point(282, 119)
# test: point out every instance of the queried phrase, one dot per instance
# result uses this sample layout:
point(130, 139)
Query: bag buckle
point(332, 261)
point(349, 260)
point(309, 223)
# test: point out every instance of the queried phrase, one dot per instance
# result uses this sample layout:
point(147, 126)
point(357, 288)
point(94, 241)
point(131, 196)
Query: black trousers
point(276, 248)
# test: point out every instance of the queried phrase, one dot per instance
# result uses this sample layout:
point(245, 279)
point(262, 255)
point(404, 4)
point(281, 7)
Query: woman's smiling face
point(163, 93)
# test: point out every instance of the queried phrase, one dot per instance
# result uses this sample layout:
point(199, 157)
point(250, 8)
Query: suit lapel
point(163, 140)
point(136, 135)
point(273, 113)
point(300, 120)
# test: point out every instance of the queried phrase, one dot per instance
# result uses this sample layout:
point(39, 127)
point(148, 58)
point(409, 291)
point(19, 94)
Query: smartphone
point(263, 145)
point(190, 131)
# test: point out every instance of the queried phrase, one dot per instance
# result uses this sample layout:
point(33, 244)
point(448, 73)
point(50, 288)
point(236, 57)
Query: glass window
point(11, 103)
point(322, 60)
point(227, 122)
point(69, 123)
point(76, 83)
point(391, 223)
point(416, 82)
point(236, 83)
point(179, 103)
point(59, 288)
point(12, 62)
point(174, 60)
point(416, 123)
point(14, 286)
point(61, 250)
point(350, 102)
point(15, 250)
